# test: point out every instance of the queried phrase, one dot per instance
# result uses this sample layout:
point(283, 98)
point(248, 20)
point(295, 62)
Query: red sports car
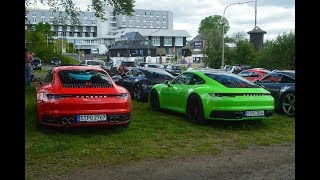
point(254, 74)
point(74, 96)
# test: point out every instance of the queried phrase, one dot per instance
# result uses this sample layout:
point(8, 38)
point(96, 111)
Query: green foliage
point(243, 53)
point(279, 53)
point(98, 6)
point(213, 22)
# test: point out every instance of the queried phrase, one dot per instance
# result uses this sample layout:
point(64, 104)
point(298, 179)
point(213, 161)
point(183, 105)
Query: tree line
point(275, 54)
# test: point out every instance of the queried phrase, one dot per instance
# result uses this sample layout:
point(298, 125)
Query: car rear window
point(84, 79)
point(176, 67)
point(232, 81)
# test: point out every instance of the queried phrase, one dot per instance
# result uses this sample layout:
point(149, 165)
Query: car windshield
point(245, 73)
point(232, 81)
point(176, 67)
point(83, 77)
point(158, 73)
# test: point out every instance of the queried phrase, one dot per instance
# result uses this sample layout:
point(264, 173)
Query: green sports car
point(212, 95)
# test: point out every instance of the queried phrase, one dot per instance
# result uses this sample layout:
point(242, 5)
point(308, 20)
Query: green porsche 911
point(212, 95)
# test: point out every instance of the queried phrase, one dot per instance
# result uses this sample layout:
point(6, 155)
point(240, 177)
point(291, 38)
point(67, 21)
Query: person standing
point(27, 71)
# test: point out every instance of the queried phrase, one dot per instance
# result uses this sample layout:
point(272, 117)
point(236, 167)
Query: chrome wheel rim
point(288, 104)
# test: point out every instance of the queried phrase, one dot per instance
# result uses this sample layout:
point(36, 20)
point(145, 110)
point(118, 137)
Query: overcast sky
point(273, 16)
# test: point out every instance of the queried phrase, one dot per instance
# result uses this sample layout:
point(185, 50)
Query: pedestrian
point(27, 71)
point(160, 59)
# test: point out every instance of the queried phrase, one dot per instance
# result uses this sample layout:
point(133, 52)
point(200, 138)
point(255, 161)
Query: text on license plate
point(93, 117)
point(254, 113)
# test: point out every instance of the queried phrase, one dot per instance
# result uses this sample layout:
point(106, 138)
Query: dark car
point(36, 64)
point(281, 85)
point(139, 81)
point(55, 61)
point(174, 69)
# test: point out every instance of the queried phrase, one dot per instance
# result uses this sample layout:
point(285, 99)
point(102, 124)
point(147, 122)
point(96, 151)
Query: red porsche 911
point(74, 96)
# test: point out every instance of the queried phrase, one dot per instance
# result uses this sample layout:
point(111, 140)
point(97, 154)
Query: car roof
point(290, 73)
point(60, 68)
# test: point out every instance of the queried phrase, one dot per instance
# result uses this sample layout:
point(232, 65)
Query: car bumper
point(234, 108)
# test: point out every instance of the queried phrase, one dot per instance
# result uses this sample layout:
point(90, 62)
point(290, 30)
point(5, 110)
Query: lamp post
point(149, 39)
point(222, 24)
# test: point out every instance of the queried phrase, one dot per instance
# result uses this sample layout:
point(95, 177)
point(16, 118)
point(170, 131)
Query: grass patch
point(150, 135)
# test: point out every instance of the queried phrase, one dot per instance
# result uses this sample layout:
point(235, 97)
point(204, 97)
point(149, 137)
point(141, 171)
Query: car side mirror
point(167, 82)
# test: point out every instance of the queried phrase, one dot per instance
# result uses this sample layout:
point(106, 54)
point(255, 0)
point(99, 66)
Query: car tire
point(154, 100)
point(195, 110)
point(287, 104)
point(137, 92)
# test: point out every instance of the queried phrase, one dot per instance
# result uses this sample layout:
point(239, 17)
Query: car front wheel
point(195, 110)
point(137, 92)
point(288, 102)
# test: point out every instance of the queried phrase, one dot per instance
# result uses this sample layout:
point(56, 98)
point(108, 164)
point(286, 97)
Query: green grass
point(151, 135)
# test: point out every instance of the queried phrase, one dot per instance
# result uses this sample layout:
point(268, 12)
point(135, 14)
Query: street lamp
point(149, 39)
point(222, 59)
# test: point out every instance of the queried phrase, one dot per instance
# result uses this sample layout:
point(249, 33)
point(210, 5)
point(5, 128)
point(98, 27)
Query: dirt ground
point(256, 162)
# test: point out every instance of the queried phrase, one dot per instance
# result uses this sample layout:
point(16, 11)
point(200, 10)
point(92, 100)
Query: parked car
point(152, 65)
point(254, 74)
point(93, 63)
point(73, 96)
point(36, 64)
point(139, 81)
point(205, 95)
point(55, 61)
point(174, 69)
point(281, 84)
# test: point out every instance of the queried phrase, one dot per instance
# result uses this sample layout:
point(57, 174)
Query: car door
point(274, 83)
point(174, 95)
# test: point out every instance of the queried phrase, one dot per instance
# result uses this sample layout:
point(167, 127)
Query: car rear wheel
point(288, 102)
point(195, 110)
point(137, 92)
point(154, 100)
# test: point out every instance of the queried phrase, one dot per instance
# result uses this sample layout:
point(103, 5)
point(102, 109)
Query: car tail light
point(123, 95)
point(221, 94)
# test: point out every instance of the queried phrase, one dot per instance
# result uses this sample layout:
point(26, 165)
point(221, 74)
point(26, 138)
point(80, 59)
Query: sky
point(273, 16)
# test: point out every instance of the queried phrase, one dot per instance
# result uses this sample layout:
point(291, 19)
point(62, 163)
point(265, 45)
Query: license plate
point(92, 118)
point(254, 113)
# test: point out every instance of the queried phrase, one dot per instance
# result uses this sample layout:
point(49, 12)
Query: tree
point(210, 28)
point(213, 22)
point(243, 53)
point(278, 53)
point(120, 7)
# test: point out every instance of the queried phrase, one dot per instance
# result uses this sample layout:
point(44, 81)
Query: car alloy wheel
point(195, 110)
point(154, 100)
point(288, 104)
point(137, 92)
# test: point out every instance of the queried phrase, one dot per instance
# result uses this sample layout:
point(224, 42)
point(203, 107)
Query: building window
point(93, 22)
point(164, 19)
point(68, 28)
point(145, 13)
point(83, 34)
point(42, 13)
point(91, 34)
point(43, 20)
point(92, 29)
point(123, 23)
point(34, 14)
point(76, 35)
point(155, 41)
point(179, 41)
point(60, 28)
point(123, 18)
point(144, 24)
point(158, 19)
point(167, 41)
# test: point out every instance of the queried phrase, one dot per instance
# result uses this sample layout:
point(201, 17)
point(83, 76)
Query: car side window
point(286, 79)
point(49, 77)
point(196, 80)
point(182, 79)
point(272, 78)
point(137, 73)
point(253, 74)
